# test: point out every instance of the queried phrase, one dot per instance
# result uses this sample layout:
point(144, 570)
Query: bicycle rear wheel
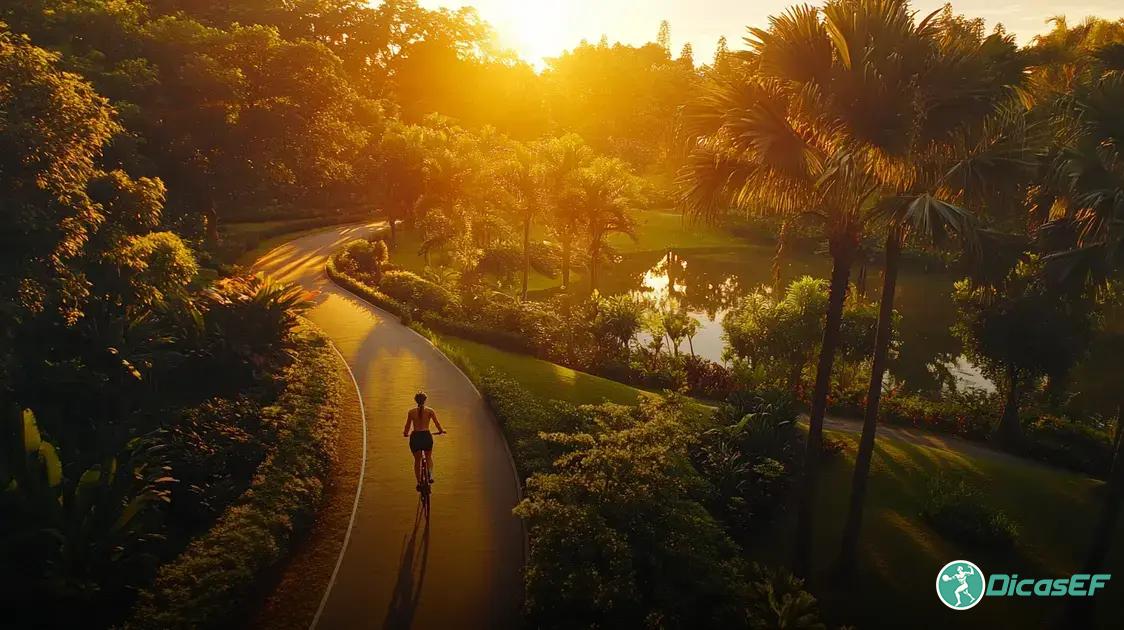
point(425, 489)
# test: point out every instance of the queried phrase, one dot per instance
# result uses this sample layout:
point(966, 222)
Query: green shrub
point(750, 456)
point(524, 417)
point(214, 449)
point(546, 258)
point(213, 582)
point(242, 333)
point(618, 538)
point(1068, 444)
point(502, 261)
point(503, 339)
point(365, 256)
point(412, 289)
point(970, 414)
point(960, 512)
point(365, 291)
point(707, 379)
point(777, 599)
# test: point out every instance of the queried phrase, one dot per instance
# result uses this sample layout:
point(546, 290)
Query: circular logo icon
point(961, 584)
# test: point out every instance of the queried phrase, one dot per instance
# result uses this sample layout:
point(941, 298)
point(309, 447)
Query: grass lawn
point(544, 379)
point(666, 229)
point(1054, 511)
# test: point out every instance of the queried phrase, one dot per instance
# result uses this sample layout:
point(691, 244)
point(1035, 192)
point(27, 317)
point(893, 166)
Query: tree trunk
point(848, 554)
point(1010, 430)
point(794, 375)
point(566, 263)
point(782, 240)
point(1079, 610)
point(840, 275)
point(393, 231)
point(526, 255)
point(594, 253)
point(211, 220)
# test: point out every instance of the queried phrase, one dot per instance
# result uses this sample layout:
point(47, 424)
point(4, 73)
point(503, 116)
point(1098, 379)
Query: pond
point(930, 359)
point(709, 281)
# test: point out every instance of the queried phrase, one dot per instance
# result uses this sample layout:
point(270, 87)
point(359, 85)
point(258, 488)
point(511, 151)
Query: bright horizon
point(536, 29)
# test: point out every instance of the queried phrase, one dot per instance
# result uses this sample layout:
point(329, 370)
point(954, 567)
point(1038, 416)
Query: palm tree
point(523, 177)
point(400, 171)
point(452, 182)
point(812, 125)
point(1084, 95)
point(762, 147)
point(563, 158)
point(605, 195)
point(956, 157)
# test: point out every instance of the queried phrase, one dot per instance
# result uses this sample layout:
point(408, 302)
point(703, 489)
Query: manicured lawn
point(544, 379)
point(667, 229)
point(1054, 511)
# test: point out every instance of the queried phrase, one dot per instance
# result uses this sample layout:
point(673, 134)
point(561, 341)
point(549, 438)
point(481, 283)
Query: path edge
point(358, 491)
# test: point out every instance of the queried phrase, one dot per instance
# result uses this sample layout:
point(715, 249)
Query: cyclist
point(421, 440)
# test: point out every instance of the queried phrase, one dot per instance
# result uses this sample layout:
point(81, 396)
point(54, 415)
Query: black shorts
point(421, 441)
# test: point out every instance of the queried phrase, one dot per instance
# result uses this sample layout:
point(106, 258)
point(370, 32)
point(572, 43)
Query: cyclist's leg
point(417, 467)
point(429, 463)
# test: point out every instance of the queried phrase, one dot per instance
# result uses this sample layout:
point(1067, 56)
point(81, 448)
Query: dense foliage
point(217, 576)
point(620, 531)
point(142, 387)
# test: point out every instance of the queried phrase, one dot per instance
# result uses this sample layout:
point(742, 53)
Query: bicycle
point(424, 488)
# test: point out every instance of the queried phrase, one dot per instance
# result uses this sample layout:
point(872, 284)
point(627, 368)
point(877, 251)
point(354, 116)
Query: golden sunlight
point(535, 30)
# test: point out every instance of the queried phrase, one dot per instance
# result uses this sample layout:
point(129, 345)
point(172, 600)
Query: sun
point(535, 29)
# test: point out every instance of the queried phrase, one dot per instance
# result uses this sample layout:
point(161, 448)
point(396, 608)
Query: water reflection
point(708, 283)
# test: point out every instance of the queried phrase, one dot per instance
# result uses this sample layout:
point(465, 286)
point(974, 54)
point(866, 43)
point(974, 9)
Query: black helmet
point(420, 398)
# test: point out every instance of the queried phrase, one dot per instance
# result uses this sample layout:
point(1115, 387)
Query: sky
point(543, 28)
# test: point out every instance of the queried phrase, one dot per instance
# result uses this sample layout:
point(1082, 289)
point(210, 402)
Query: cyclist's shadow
point(411, 575)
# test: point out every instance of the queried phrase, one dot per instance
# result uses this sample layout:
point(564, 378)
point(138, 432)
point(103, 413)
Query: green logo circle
point(961, 584)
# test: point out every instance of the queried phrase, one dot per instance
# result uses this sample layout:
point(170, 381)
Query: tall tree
point(1078, 79)
point(606, 195)
point(523, 176)
point(396, 165)
point(958, 79)
point(663, 38)
point(816, 119)
point(563, 159)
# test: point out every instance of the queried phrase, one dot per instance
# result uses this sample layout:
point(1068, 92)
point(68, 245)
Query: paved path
point(463, 567)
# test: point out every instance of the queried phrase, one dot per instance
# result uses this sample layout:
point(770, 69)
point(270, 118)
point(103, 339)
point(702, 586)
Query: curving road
point(463, 567)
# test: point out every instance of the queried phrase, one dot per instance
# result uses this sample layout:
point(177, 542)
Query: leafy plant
point(777, 600)
point(960, 512)
point(75, 540)
point(418, 292)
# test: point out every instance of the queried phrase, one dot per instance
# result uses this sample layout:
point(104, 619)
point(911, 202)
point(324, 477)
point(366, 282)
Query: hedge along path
point(215, 581)
point(296, 595)
point(465, 569)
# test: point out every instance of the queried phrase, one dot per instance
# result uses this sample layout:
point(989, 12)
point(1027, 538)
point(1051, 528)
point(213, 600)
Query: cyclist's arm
point(435, 422)
point(406, 429)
